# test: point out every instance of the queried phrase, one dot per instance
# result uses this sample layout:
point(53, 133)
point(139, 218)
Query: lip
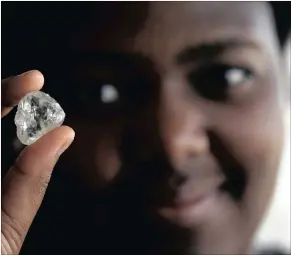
point(190, 212)
point(194, 203)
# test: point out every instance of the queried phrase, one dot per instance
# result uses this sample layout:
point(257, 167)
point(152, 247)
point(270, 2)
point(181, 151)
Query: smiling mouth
point(192, 207)
point(194, 203)
point(192, 213)
point(148, 185)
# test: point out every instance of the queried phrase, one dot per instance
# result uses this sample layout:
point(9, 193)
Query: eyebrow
point(117, 61)
point(210, 51)
point(103, 58)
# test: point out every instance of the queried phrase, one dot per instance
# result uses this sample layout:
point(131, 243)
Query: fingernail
point(65, 146)
point(26, 73)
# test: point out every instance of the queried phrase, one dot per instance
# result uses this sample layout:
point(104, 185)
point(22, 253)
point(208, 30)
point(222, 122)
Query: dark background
point(35, 35)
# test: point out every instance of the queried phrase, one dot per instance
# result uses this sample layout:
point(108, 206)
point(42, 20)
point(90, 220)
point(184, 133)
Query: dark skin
point(188, 166)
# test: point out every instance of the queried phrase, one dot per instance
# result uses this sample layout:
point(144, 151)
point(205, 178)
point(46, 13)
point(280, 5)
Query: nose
point(182, 126)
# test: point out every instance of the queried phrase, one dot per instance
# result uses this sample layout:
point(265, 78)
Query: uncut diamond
point(37, 114)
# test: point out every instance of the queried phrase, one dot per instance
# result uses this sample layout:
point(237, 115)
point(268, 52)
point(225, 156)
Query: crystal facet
point(37, 114)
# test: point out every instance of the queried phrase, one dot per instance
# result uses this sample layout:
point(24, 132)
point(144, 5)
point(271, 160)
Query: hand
point(25, 184)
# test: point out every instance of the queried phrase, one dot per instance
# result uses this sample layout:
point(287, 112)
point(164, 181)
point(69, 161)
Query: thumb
point(25, 184)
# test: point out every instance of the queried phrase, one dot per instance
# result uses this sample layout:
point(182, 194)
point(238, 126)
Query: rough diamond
point(37, 114)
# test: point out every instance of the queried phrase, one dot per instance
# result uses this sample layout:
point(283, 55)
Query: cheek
point(106, 160)
point(255, 139)
point(94, 153)
point(254, 129)
point(257, 144)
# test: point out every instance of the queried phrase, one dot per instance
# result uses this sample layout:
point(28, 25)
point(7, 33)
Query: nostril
point(176, 181)
point(191, 155)
point(190, 147)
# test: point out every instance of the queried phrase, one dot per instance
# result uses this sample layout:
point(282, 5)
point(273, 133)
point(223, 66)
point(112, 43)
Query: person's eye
point(215, 81)
point(99, 93)
point(97, 97)
point(108, 93)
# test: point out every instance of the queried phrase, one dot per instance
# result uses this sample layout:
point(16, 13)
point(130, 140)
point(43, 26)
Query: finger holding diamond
point(13, 89)
point(38, 120)
point(25, 184)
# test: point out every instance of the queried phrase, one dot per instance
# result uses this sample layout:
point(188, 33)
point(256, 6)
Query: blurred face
point(185, 143)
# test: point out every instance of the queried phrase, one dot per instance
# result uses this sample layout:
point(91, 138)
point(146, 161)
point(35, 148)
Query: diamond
point(37, 114)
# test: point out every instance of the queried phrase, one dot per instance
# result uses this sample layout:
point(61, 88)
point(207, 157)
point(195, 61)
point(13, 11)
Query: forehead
point(162, 29)
point(181, 23)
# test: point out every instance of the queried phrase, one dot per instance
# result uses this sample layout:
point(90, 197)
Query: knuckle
point(22, 163)
point(12, 234)
point(38, 183)
point(18, 167)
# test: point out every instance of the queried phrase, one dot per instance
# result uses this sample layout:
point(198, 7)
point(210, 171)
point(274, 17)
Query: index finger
point(13, 89)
